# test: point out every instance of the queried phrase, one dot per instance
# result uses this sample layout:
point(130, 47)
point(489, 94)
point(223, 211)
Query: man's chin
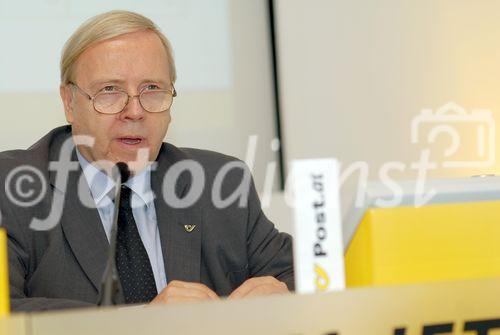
point(137, 160)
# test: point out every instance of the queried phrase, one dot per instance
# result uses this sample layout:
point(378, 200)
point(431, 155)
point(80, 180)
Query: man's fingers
point(260, 284)
point(243, 289)
point(187, 292)
point(261, 289)
point(265, 289)
point(195, 286)
point(177, 291)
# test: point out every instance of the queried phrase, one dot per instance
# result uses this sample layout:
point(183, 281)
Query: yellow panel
point(4, 275)
point(430, 243)
point(358, 260)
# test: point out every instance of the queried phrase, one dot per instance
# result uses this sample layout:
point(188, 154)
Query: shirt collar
point(101, 184)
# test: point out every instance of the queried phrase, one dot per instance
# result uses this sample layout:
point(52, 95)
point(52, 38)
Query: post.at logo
point(322, 280)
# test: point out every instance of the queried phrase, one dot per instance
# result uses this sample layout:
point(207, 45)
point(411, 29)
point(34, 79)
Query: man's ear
point(67, 99)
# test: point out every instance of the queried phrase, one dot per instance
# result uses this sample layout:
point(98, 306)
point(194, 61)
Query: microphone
point(110, 284)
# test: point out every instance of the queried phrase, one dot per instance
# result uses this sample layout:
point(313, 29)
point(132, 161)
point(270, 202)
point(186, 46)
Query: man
point(190, 226)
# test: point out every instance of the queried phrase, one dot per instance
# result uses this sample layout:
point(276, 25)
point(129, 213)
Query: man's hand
point(259, 286)
point(179, 291)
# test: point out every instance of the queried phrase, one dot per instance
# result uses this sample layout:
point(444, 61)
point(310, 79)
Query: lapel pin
point(189, 228)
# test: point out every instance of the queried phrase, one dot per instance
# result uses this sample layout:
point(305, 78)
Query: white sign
point(318, 247)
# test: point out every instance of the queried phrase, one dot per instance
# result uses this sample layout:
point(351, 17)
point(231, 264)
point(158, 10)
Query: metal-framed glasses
point(114, 102)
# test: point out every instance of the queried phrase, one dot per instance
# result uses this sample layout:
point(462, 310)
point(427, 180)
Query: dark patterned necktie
point(132, 261)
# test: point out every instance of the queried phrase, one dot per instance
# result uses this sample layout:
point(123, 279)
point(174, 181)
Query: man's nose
point(133, 110)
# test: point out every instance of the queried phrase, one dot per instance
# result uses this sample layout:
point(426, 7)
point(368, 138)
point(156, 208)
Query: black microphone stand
point(110, 284)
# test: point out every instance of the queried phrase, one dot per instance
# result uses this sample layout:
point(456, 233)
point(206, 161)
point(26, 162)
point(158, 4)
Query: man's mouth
point(132, 140)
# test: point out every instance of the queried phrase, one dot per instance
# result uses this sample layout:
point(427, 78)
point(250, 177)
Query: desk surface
point(356, 311)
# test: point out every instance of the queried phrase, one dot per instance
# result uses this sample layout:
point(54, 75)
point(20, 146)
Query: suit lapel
point(180, 228)
point(85, 234)
point(82, 225)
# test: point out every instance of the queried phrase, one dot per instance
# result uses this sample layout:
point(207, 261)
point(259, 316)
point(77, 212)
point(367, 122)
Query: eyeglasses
point(114, 102)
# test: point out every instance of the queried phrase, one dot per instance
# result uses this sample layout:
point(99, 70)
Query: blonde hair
point(103, 27)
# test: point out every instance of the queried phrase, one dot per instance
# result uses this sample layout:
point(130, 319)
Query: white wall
point(354, 73)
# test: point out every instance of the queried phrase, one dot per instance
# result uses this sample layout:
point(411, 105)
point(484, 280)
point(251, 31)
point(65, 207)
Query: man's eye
point(152, 87)
point(109, 89)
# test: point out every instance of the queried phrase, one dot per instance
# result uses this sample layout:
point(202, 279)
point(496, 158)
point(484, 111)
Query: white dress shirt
point(143, 209)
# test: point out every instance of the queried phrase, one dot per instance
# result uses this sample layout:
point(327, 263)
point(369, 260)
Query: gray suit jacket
point(62, 267)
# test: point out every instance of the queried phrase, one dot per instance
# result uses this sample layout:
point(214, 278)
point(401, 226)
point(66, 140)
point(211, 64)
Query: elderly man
point(185, 232)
